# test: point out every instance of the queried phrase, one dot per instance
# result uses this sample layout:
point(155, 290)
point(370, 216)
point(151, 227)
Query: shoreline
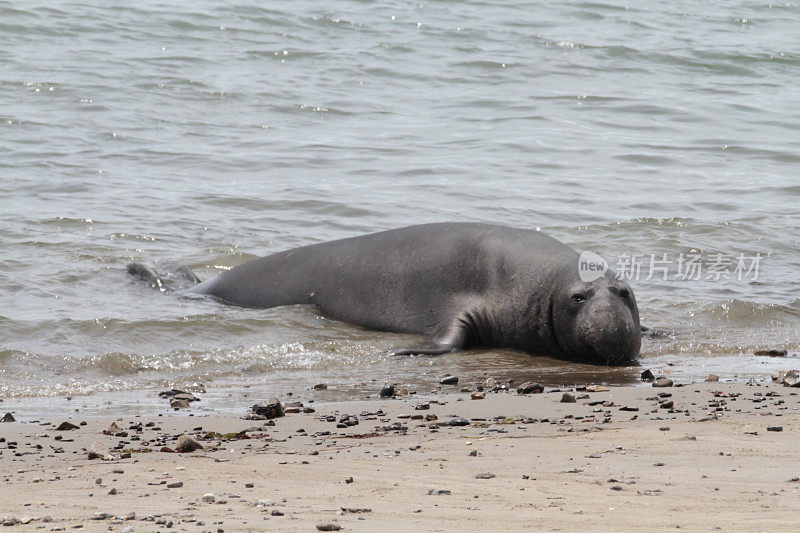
point(617, 459)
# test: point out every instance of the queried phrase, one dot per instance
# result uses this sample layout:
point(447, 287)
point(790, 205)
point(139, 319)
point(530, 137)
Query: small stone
point(387, 391)
point(8, 417)
point(647, 375)
point(772, 352)
point(276, 513)
point(98, 451)
point(177, 403)
point(473, 453)
point(448, 380)
point(775, 428)
point(101, 516)
point(477, 395)
point(329, 527)
point(113, 491)
point(98, 481)
point(662, 382)
point(568, 398)
point(273, 409)
point(175, 485)
point(616, 487)
point(626, 408)
point(66, 426)
point(249, 485)
point(348, 480)
point(669, 404)
point(712, 378)
point(187, 444)
point(321, 386)
point(209, 497)
point(484, 475)
point(530, 388)
point(458, 421)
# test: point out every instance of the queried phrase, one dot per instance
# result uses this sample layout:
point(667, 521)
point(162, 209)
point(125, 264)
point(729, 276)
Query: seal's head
point(597, 321)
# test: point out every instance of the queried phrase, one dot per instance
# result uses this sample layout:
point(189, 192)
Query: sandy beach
point(720, 456)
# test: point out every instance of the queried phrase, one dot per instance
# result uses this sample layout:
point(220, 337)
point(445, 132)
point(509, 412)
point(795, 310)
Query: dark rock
point(458, 421)
point(775, 428)
point(473, 453)
point(772, 352)
point(568, 398)
point(478, 395)
point(329, 527)
point(647, 375)
point(348, 480)
point(8, 417)
point(530, 388)
point(448, 380)
point(626, 408)
point(273, 409)
point(321, 386)
point(669, 404)
point(712, 378)
point(484, 475)
point(387, 391)
point(422, 406)
point(66, 426)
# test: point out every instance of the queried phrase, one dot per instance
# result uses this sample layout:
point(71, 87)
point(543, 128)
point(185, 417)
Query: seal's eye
point(624, 293)
point(578, 297)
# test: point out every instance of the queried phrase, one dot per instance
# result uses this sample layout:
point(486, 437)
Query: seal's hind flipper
point(148, 275)
point(655, 333)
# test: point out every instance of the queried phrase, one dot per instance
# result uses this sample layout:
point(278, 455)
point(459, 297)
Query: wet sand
point(621, 459)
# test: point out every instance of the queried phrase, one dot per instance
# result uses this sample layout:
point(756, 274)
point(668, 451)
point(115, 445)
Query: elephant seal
point(460, 284)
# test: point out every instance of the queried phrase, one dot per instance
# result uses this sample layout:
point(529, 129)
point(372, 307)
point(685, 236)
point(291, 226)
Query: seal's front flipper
point(450, 340)
point(427, 348)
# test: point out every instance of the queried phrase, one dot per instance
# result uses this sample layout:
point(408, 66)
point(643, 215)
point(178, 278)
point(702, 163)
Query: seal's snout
point(612, 332)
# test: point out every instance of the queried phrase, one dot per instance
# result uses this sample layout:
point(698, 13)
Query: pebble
point(209, 497)
point(175, 485)
point(177, 403)
point(473, 453)
point(484, 475)
point(662, 382)
point(387, 391)
point(329, 527)
point(439, 492)
point(478, 395)
point(448, 380)
point(647, 375)
point(775, 428)
point(187, 444)
point(271, 409)
point(321, 386)
point(530, 388)
point(458, 421)
point(712, 378)
point(568, 398)
point(98, 451)
point(8, 417)
point(772, 352)
point(66, 426)
point(348, 480)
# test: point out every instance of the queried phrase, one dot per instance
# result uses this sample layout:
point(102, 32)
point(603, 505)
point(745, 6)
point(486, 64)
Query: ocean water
point(661, 135)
